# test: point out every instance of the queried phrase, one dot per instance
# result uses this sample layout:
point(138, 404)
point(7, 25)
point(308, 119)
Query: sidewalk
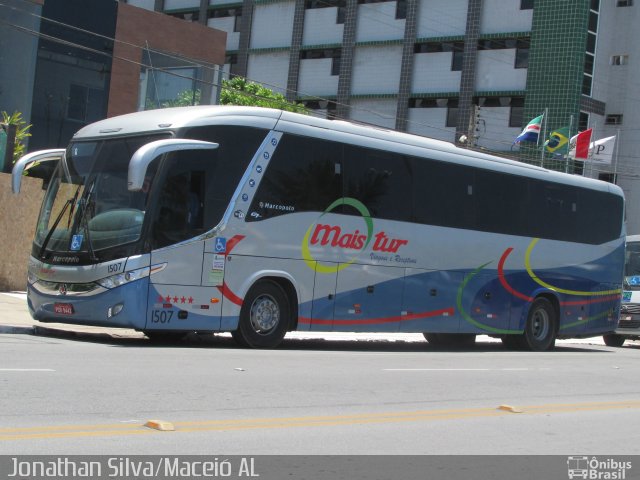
point(15, 319)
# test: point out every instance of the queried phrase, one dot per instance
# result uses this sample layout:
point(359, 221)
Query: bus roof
point(172, 119)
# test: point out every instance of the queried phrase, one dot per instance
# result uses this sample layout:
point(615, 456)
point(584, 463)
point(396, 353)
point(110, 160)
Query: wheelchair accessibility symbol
point(220, 245)
point(76, 242)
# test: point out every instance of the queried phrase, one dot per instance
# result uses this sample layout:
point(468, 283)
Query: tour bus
point(258, 222)
point(629, 323)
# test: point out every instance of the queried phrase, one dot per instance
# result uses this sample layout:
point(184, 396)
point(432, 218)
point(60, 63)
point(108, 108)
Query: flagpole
point(544, 135)
point(615, 159)
point(566, 155)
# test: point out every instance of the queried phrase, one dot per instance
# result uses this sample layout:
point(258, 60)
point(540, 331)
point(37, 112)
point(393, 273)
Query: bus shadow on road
point(355, 344)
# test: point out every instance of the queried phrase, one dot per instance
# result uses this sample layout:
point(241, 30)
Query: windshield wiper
point(54, 226)
point(86, 202)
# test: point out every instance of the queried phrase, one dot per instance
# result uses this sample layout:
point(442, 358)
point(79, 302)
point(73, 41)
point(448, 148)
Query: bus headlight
point(121, 278)
point(31, 277)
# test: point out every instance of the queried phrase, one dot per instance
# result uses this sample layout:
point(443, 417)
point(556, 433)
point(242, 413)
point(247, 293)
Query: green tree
point(240, 91)
point(22, 132)
point(183, 99)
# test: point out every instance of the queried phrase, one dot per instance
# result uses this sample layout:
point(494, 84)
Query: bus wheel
point(540, 331)
point(264, 316)
point(613, 340)
point(432, 338)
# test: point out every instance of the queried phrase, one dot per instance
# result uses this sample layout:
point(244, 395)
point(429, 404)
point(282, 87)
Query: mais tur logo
point(354, 242)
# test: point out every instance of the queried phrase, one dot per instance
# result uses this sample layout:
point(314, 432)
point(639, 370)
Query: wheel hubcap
point(540, 324)
point(265, 314)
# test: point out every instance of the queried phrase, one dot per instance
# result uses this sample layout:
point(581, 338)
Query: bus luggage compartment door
point(177, 301)
point(368, 298)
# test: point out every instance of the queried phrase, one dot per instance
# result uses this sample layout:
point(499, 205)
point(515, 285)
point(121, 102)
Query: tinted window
point(443, 194)
point(307, 174)
point(304, 174)
point(198, 184)
point(502, 203)
point(380, 180)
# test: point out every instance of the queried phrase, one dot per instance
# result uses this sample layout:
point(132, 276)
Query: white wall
point(430, 122)
point(376, 69)
point(495, 71)
point(315, 78)
point(437, 18)
point(272, 25)
point(618, 87)
point(493, 129)
point(270, 69)
point(226, 24)
point(377, 21)
point(320, 27)
point(432, 73)
point(504, 16)
point(381, 112)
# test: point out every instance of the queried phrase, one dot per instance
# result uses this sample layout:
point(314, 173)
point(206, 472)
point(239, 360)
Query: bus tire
point(264, 316)
point(540, 330)
point(613, 340)
point(432, 338)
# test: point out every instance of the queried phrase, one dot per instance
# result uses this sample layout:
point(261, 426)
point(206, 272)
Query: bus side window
point(180, 207)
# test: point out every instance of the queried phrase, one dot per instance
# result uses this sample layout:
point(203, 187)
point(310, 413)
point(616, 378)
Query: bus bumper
point(124, 306)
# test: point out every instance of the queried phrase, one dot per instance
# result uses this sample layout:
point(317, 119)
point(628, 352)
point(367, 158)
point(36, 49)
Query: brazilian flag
point(558, 141)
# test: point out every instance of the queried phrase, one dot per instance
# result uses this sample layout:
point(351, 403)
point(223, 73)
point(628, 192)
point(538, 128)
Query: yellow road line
point(71, 431)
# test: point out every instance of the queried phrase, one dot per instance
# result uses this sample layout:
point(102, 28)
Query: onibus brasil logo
point(353, 242)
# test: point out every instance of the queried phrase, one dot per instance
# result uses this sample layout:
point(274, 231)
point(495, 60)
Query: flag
point(601, 151)
point(531, 131)
point(558, 141)
point(580, 145)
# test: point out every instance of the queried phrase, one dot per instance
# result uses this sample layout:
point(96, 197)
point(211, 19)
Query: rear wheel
point(264, 316)
point(613, 340)
point(540, 330)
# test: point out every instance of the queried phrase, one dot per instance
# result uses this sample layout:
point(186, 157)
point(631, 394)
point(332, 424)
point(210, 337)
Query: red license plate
point(63, 308)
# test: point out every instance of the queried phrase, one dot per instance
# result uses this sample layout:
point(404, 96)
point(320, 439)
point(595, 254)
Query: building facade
point(65, 65)
point(472, 70)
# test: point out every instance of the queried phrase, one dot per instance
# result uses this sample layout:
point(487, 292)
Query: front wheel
point(540, 330)
point(264, 316)
point(613, 340)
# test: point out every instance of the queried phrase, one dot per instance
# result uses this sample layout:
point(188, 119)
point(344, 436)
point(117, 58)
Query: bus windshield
point(87, 206)
point(632, 266)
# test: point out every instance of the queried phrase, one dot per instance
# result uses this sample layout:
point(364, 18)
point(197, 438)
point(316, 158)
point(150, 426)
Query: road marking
point(437, 369)
point(76, 431)
point(27, 370)
point(463, 369)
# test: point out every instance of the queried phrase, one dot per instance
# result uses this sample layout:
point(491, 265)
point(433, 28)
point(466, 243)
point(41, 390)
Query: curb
point(14, 330)
point(40, 331)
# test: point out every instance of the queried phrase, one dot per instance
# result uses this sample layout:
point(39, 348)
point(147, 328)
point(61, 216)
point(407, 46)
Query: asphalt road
point(313, 396)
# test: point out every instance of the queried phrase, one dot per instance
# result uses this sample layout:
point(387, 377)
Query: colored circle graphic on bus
point(334, 236)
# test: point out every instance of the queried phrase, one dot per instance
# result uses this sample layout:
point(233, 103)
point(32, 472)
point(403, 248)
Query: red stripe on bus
point(228, 294)
point(503, 280)
point(233, 241)
point(374, 321)
point(522, 296)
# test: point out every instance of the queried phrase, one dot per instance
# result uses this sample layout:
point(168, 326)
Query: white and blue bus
point(259, 222)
